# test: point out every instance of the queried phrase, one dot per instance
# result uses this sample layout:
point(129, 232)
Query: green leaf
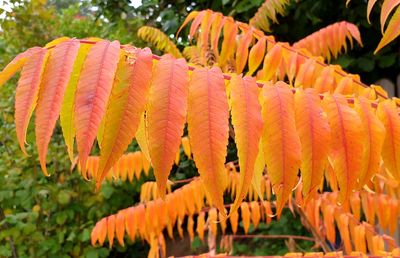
point(63, 197)
point(61, 218)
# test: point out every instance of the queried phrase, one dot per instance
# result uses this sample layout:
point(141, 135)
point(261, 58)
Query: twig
point(10, 238)
point(319, 239)
point(305, 238)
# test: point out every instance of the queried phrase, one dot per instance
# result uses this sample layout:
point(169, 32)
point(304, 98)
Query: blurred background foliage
point(53, 217)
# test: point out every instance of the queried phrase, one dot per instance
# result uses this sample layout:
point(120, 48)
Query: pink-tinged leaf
point(67, 107)
point(388, 114)
point(392, 31)
point(166, 115)
point(247, 123)
point(281, 143)
point(16, 64)
point(370, 5)
point(375, 132)
point(257, 55)
point(387, 8)
point(125, 107)
point(196, 23)
point(92, 93)
point(314, 133)
point(208, 126)
point(55, 80)
point(347, 143)
point(27, 93)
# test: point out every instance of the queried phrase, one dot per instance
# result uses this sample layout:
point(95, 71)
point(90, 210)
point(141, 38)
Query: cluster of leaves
point(51, 216)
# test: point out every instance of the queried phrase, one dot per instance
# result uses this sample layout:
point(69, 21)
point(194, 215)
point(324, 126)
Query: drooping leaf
point(375, 137)
point(246, 216)
point(111, 230)
point(272, 61)
point(141, 137)
point(200, 225)
point(347, 144)
point(212, 221)
point(55, 80)
point(228, 44)
point(256, 55)
point(392, 31)
point(259, 167)
point(92, 93)
point(16, 64)
point(208, 127)
point(166, 115)
point(243, 50)
point(281, 143)
point(255, 213)
point(314, 133)
point(125, 107)
point(27, 93)
point(247, 123)
point(387, 8)
point(67, 107)
point(388, 114)
point(120, 227)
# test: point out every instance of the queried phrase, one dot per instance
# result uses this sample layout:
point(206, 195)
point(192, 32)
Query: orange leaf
point(99, 232)
point(257, 55)
point(27, 93)
point(347, 143)
point(370, 5)
point(212, 221)
point(16, 64)
point(387, 8)
point(375, 131)
point(314, 133)
point(245, 213)
point(55, 80)
point(200, 226)
point(125, 107)
point(272, 61)
point(243, 50)
point(120, 227)
point(392, 31)
point(208, 128)
point(388, 114)
point(281, 143)
point(255, 213)
point(229, 42)
point(92, 93)
point(233, 218)
point(166, 115)
point(190, 224)
point(247, 123)
point(111, 229)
